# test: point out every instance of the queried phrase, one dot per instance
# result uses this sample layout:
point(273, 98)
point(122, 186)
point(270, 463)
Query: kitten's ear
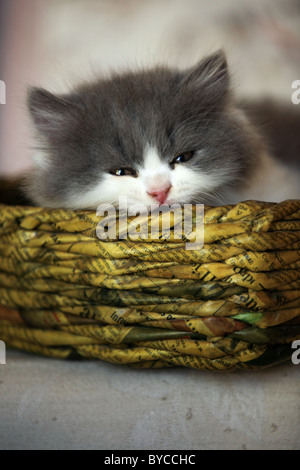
point(210, 75)
point(53, 116)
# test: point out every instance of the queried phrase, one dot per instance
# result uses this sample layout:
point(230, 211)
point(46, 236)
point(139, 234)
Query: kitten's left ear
point(210, 75)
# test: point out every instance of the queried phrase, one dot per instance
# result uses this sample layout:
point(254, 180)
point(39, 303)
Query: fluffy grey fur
point(106, 125)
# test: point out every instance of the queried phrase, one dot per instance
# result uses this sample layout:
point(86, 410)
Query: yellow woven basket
point(234, 303)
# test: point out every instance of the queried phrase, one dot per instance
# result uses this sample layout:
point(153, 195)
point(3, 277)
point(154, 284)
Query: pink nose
point(160, 194)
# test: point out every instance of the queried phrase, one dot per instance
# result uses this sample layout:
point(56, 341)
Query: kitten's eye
point(182, 158)
point(123, 172)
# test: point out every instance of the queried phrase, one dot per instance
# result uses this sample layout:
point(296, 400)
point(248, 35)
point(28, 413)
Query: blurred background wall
point(60, 42)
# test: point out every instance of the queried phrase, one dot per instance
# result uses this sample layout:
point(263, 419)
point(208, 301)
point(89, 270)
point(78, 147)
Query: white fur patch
point(154, 174)
point(40, 159)
point(107, 191)
point(152, 160)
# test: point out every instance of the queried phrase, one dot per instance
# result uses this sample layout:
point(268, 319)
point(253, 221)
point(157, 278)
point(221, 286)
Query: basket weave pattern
point(235, 303)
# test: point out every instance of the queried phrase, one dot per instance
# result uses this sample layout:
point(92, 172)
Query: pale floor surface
point(54, 404)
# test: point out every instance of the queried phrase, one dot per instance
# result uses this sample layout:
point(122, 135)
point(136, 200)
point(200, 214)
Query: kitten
point(156, 136)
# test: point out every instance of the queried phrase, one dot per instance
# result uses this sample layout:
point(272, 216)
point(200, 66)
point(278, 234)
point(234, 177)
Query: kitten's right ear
point(53, 116)
point(210, 77)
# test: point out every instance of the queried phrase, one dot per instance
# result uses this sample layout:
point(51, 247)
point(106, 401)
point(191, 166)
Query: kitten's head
point(161, 135)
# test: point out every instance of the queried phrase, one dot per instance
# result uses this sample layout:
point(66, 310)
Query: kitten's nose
point(160, 194)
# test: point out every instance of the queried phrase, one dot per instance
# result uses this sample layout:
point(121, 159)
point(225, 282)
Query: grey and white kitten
point(154, 136)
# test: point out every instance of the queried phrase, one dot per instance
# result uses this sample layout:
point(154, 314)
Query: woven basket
point(235, 303)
